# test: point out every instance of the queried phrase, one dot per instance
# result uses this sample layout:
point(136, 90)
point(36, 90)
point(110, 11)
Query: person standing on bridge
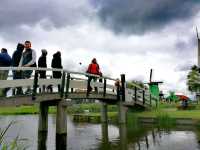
point(28, 59)
point(57, 64)
point(42, 63)
point(5, 61)
point(94, 69)
point(17, 74)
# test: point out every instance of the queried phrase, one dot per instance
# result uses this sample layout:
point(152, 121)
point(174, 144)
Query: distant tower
point(198, 40)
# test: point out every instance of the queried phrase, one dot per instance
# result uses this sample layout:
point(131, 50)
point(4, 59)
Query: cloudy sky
point(129, 36)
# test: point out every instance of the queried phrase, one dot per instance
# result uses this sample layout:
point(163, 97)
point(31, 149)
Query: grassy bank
point(23, 110)
point(164, 110)
point(171, 112)
point(79, 108)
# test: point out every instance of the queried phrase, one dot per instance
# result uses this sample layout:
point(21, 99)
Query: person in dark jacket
point(42, 63)
point(5, 61)
point(94, 69)
point(57, 63)
point(17, 74)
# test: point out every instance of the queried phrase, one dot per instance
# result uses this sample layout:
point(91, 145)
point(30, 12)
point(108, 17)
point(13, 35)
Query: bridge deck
point(52, 98)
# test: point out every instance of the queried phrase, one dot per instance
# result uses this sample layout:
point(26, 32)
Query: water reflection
point(83, 136)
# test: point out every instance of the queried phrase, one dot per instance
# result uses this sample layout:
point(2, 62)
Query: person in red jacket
point(93, 68)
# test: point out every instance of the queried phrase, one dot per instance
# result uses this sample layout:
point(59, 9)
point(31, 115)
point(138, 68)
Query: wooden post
point(150, 100)
point(104, 88)
point(118, 92)
point(88, 86)
point(143, 97)
point(61, 127)
point(198, 58)
point(61, 120)
point(123, 86)
point(62, 85)
point(104, 116)
point(122, 109)
point(72, 90)
point(135, 92)
point(35, 84)
point(42, 126)
point(123, 136)
point(122, 113)
point(67, 85)
point(105, 137)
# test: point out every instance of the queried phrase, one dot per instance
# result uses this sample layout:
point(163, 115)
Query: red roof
point(182, 97)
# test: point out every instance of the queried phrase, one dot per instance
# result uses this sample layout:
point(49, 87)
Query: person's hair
point(94, 60)
point(58, 53)
point(28, 42)
point(4, 50)
point(44, 52)
point(20, 46)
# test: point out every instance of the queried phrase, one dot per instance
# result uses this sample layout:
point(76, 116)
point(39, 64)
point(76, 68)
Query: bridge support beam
point(61, 127)
point(104, 134)
point(104, 115)
point(42, 126)
point(123, 136)
point(122, 112)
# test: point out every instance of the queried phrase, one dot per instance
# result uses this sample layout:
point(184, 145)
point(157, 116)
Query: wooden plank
point(79, 84)
point(82, 84)
point(129, 94)
point(47, 98)
point(53, 82)
point(16, 83)
point(97, 84)
point(92, 96)
point(13, 101)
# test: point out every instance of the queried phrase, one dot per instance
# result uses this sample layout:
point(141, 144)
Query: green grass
point(92, 108)
point(95, 108)
point(23, 110)
point(79, 108)
point(194, 114)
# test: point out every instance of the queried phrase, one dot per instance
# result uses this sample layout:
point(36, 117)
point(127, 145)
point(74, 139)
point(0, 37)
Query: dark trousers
point(42, 76)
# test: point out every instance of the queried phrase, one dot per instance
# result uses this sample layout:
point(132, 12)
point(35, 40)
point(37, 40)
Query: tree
point(193, 79)
point(131, 84)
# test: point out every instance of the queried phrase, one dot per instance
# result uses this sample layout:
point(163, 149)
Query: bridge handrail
point(143, 89)
point(55, 69)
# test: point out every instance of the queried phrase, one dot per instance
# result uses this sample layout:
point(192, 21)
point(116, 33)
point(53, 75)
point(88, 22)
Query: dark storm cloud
point(139, 16)
point(17, 14)
point(184, 67)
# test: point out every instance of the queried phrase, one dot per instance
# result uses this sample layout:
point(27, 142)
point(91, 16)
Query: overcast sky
point(126, 36)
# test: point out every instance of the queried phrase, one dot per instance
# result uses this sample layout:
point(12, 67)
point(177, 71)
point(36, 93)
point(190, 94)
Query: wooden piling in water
point(42, 126)
point(61, 118)
point(61, 127)
point(104, 115)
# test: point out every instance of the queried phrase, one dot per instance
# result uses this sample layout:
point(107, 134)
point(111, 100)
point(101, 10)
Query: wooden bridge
point(73, 85)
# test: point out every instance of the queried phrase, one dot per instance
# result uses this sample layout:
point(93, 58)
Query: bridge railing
point(140, 95)
point(73, 81)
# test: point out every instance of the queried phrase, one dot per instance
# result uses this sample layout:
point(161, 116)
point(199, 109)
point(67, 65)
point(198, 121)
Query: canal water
point(84, 136)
